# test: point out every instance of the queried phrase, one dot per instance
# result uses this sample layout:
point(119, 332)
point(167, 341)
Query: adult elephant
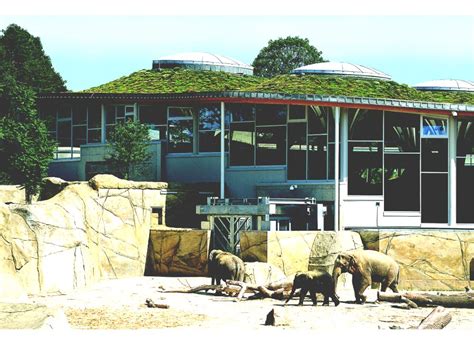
point(225, 266)
point(367, 266)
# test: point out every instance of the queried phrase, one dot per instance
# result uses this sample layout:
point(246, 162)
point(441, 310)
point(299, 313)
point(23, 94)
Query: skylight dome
point(456, 85)
point(342, 69)
point(203, 62)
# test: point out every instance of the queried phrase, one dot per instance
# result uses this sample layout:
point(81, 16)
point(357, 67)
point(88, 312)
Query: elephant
point(314, 281)
point(367, 266)
point(225, 266)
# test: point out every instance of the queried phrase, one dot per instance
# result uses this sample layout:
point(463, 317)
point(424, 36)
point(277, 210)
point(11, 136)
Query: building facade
point(375, 153)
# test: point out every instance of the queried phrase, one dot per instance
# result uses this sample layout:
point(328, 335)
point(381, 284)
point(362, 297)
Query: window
point(365, 152)
point(401, 162)
point(297, 151)
point(365, 125)
point(270, 134)
point(242, 143)
point(79, 129)
point(94, 123)
point(317, 157)
point(365, 168)
point(180, 130)
point(465, 172)
point(154, 116)
point(271, 145)
point(271, 115)
point(64, 138)
point(297, 112)
point(210, 129)
point(116, 114)
point(435, 128)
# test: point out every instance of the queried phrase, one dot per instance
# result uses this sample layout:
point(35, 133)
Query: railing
point(258, 201)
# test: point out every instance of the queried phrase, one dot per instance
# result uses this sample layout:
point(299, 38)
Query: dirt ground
point(120, 304)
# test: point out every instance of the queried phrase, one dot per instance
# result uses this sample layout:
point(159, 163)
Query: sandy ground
point(120, 304)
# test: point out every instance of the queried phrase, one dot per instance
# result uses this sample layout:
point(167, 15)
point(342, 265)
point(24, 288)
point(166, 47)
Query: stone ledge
point(102, 181)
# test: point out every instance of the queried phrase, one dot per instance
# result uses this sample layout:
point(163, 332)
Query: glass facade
point(365, 152)
point(401, 157)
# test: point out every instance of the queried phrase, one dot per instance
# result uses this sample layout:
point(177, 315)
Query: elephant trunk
point(335, 275)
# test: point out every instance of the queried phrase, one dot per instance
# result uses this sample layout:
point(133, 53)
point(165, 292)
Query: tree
point(25, 152)
point(25, 146)
point(129, 143)
point(283, 55)
point(27, 61)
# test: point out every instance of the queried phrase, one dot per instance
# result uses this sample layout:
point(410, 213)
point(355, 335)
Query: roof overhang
point(274, 98)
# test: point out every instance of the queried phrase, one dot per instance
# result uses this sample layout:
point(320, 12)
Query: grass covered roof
point(190, 81)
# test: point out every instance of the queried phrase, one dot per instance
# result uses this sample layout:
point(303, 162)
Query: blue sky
point(91, 50)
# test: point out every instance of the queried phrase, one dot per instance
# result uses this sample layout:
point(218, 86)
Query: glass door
point(434, 170)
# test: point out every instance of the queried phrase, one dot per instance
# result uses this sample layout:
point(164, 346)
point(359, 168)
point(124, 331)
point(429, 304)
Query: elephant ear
point(353, 265)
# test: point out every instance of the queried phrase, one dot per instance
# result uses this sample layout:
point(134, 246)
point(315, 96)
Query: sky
point(91, 50)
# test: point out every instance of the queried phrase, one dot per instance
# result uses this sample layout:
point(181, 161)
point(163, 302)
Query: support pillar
point(452, 151)
point(344, 162)
point(337, 113)
point(222, 195)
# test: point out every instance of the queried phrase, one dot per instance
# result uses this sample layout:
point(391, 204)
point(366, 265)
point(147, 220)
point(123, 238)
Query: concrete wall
point(293, 251)
point(68, 170)
point(173, 251)
point(429, 259)
point(192, 168)
point(241, 182)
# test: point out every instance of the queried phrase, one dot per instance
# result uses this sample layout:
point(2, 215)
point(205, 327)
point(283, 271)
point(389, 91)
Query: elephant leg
point(356, 286)
point(363, 286)
point(335, 299)
point(326, 299)
point(384, 286)
point(303, 292)
point(312, 294)
point(393, 287)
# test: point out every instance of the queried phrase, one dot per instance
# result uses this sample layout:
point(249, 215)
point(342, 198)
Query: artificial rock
point(78, 237)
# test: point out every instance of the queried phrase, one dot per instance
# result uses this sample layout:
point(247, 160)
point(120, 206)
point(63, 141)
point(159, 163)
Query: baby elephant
point(314, 281)
point(224, 266)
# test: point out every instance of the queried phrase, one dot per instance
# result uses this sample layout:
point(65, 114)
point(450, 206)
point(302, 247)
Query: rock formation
point(87, 232)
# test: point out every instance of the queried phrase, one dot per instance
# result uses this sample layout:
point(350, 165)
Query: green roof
point(190, 81)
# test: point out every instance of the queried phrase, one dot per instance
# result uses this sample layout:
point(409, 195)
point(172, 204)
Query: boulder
point(51, 187)
point(12, 194)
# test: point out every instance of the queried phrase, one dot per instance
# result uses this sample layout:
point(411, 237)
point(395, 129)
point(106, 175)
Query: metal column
point(222, 150)
point(337, 112)
point(452, 144)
